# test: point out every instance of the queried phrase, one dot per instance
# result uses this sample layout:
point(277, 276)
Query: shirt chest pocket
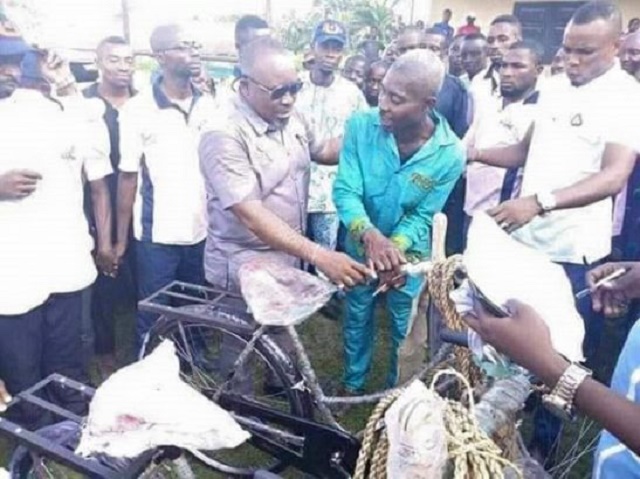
point(416, 186)
point(271, 165)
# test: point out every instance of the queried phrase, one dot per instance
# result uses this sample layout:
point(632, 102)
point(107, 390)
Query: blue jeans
point(322, 228)
point(159, 265)
point(546, 426)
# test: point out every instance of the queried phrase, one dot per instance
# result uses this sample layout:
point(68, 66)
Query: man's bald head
point(422, 72)
point(263, 54)
point(165, 37)
point(409, 91)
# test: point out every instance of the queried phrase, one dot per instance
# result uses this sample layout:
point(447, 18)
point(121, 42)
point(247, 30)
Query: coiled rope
point(440, 282)
point(472, 453)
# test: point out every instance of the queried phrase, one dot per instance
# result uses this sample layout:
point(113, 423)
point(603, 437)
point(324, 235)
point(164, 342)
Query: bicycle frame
point(227, 303)
point(42, 446)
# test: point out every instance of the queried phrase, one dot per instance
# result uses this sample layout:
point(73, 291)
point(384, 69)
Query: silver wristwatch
point(547, 201)
point(560, 400)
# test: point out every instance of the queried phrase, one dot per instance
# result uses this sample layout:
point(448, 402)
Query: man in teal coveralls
point(398, 164)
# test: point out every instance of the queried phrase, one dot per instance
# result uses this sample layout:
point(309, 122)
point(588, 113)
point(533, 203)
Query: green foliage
point(358, 15)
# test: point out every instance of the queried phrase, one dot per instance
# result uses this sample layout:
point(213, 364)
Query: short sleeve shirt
point(244, 158)
point(613, 460)
point(327, 110)
point(45, 246)
point(494, 126)
point(159, 141)
point(573, 125)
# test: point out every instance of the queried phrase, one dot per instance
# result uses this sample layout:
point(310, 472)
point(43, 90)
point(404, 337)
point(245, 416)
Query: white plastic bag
point(417, 435)
point(280, 295)
point(146, 405)
point(504, 269)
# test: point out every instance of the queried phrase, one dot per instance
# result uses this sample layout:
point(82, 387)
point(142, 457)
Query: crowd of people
point(337, 167)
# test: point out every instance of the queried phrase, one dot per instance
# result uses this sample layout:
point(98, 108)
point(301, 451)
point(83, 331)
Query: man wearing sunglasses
point(327, 101)
point(256, 164)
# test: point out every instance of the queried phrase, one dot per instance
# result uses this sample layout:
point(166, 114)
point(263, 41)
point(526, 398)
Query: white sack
point(146, 405)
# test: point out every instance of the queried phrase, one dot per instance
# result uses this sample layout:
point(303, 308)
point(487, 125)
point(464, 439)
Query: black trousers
point(106, 294)
point(46, 340)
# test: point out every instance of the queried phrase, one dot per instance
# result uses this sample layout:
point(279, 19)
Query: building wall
point(486, 10)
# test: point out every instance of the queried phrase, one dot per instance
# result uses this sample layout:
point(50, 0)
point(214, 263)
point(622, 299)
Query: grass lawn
point(324, 342)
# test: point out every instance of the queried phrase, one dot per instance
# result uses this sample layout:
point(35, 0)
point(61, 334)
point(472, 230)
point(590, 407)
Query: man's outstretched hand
point(523, 336)
point(612, 298)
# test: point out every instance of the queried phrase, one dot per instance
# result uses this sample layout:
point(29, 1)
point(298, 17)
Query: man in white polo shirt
point(503, 122)
point(45, 246)
point(160, 181)
point(577, 156)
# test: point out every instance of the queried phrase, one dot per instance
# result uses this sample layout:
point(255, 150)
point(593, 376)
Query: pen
point(615, 275)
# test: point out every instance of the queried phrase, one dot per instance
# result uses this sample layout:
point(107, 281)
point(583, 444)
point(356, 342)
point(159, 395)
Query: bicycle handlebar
point(458, 338)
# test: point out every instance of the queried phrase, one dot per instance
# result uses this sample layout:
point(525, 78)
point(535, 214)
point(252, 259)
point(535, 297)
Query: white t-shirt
point(484, 89)
point(45, 246)
point(327, 110)
point(160, 142)
point(494, 126)
point(572, 127)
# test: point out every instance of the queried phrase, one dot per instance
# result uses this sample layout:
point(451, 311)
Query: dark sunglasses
point(279, 91)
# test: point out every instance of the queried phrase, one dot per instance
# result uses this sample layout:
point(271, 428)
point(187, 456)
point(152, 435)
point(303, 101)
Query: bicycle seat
point(280, 295)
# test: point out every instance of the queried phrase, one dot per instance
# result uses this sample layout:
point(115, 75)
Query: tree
point(375, 13)
point(358, 15)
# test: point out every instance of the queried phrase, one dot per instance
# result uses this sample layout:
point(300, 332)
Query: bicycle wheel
point(574, 449)
point(203, 349)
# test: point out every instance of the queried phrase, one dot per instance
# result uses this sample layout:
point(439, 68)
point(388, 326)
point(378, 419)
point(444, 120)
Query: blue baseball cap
point(330, 30)
point(13, 46)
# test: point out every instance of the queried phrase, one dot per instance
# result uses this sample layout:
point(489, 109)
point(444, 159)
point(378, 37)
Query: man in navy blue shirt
point(443, 26)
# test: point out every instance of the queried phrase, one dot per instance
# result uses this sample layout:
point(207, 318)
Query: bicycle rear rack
point(189, 302)
point(61, 453)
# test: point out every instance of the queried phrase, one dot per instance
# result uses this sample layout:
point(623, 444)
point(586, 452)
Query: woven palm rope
point(473, 455)
point(441, 282)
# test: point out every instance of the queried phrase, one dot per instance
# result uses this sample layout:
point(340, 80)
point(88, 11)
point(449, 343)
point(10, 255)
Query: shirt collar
point(164, 102)
point(92, 91)
point(442, 133)
point(259, 125)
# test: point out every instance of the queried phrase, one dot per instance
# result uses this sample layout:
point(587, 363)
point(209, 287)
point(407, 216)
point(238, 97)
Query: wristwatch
point(560, 400)
point(547, 201)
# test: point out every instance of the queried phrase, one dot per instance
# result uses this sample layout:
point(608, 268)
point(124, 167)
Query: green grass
point(323, 340)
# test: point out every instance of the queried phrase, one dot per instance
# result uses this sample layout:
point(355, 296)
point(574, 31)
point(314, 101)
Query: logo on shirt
point(423, 182)
point(70, 154)
point(576, 120)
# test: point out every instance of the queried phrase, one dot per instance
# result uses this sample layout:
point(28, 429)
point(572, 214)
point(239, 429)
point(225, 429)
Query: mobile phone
point(486, 303)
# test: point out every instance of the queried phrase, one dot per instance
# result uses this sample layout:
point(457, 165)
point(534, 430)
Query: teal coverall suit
point(374, 188)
